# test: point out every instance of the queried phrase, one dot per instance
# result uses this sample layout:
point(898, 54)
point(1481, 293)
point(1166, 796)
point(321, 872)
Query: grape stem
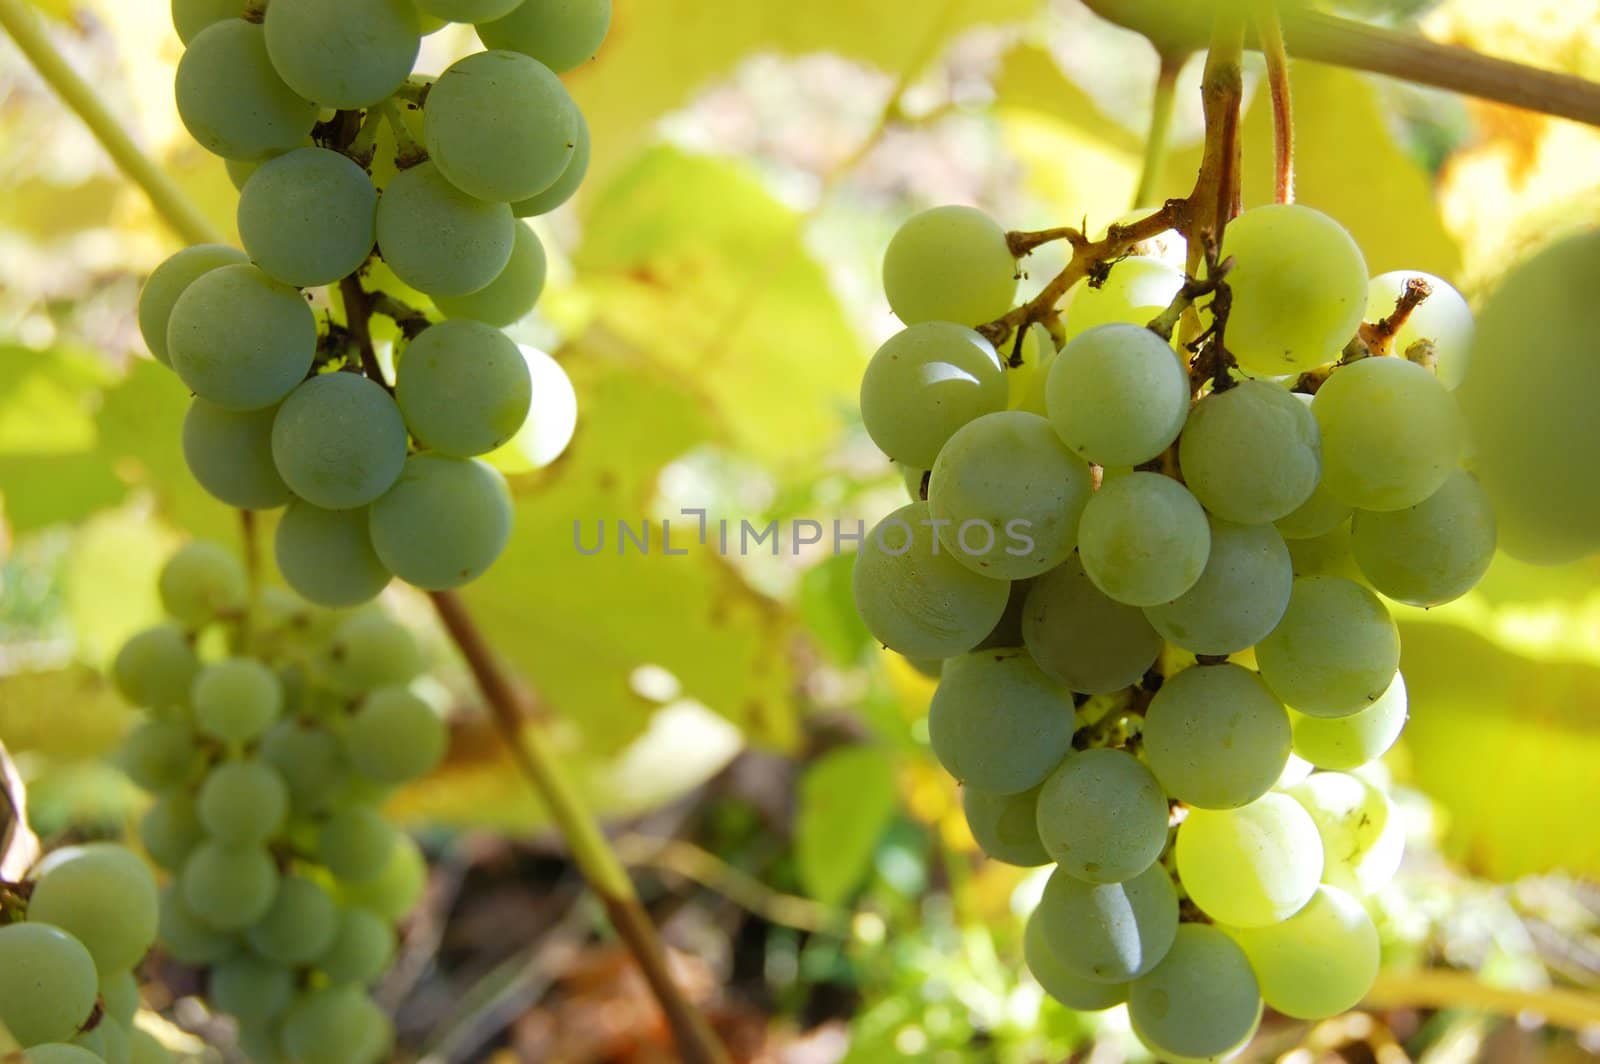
point(408, 152)
point(411, 320)
point(1440, 988)
point(1270, 31)
point(357, 316)
point(1162, 105)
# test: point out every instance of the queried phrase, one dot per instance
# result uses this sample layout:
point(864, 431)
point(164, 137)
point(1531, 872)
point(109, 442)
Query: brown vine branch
point(358, 315)
point(1379, 335)
point(1270, 30)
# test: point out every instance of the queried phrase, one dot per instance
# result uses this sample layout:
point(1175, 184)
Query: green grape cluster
point(268, 767)
point(1158, 591)
point(354, 173)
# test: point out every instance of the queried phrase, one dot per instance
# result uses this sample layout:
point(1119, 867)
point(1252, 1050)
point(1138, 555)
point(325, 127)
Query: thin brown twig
point(358, 314)
point(1270, 30)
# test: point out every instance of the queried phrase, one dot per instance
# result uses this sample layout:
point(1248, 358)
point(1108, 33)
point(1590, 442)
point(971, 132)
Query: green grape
point(468, 10)
point(251, 989)
point(1251, 454)
point(1240, 597)
point(1250, 866)
point(1088, 641)
point(1055, 979)
point(1321, 513)
point(349, 55)
point(157, 754)
point(228, 887)
point(189, 17)
point(104, 896)
point(463, 388)
point(1443, 319)
point(565, 185)
point(239, 172)
point(106, 1041)
point(999, 724)
point(1326, 555)
point(120, 992)
point(1106, 932)
point(1006, 496)
point(510, 296)
point(914, 597)
point(356, 843)
point(1299, 289)
point(237, 699)
point(1025, 380)
point(1430, 553)
point(299, 926)
point(203, 582)
point(395, 737)
point(115, 1040)
point(262, 1043)
point(1004, 825)
point(1103, 816)
point(232, 100)
point(170, 829)
point(1335, 651)
point(144, 1048)
point(397, 889)
point(438, 239)
point(1116, 395)
point(1391, 433)
point(334, 1025)
point(168, 281)
point(914, 480)
point(47, 982)
point(561, 34)
point(1349, 742)
point(310, 760)
point(444, 522)
point(185, 937)
point(1319, 962)
point(1144, 539)
point(309, 217)
point(154, 668)
point(60, 1053)
point(1200, 1003)
point(371, 650)
point(243, 802)
point(1216, 737)
point(339, 441)
point(501, 126)
point(229, 452)
point(1135, 292)
point(926, 382)
point(327, 555)
point(361, 948)
point(241, 339)
point(949, 264)
point(1361, 833)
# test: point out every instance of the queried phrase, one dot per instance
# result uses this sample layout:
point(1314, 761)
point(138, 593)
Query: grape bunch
point(268, 766)
point(71, 935)
point(381, 187)
point(1152, 583)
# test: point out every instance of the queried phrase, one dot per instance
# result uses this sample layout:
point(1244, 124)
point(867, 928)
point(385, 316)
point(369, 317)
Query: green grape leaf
point(828, 607)
point(109, 579)
point(69, 713)
point(847, 801)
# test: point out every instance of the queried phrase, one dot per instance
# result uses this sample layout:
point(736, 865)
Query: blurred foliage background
point(714, 297)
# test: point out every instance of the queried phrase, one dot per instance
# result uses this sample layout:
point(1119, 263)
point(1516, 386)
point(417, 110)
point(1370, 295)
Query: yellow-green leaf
point(847, 800)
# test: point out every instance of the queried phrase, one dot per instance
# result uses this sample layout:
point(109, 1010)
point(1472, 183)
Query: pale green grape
point(1004, 825)
point(1251, 454)
point(1443, 318)
point(154, 668)
point(510, 296)
point(1216, 737)
point(1319, 962)
point(157, 754)
point(232, 100)
point(397, 889)
point(170, 829)
point(1007, 496)
point(1057, 980)
point(1335, 651)
point(551, 423)
point(444, 522)
point(1361, 833)
point(926, 382)
point(1103, 816)
point(997, 723)
point(1137, 289)
point(186, 938)
point(361, 948)
point(1116, 395)
point(310, 760)
point(299, 926)
point(203, 582)
point(335, 1025)
point(227, 887)
point(1432, 552)
point(166, 284)
point(561, 34)
point(60, 1053)
point(1201, 1002)
point(144, 1048)
point(239, 171)
point(120, 992)
point(189, 17)
point(230, 453)
point(1025, 382)
point(1106, 932)
point(463, 388)
point(914, 479)
point(1349, 742)
point(1391, 433)
point(1326, 555)
point(104, 896)
point(1317, 516)
point(371, 650)
point(1144, 540)
point(565, 185)
point(468, 10)
point(261, 1043)
point(1087, 640)
point(237, 699)
point(249, 988)
point(949, 264)
point(438, 239)
point(327, 555)
point(356, 843)
point(1251, 866)
point(47, 982)
point(243, 802)
point(395, 736)
point(339, 441)
point(105, 1043)
point(309, 217)
point(241, 339)
point(501, 126)
point(1240, 597)
point(350, 54)
point(1299, 289)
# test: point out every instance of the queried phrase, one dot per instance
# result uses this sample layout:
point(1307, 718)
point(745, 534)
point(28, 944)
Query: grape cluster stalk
point(1151, 578)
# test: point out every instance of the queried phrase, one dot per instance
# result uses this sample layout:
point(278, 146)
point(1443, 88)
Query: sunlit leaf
point(847, 799)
